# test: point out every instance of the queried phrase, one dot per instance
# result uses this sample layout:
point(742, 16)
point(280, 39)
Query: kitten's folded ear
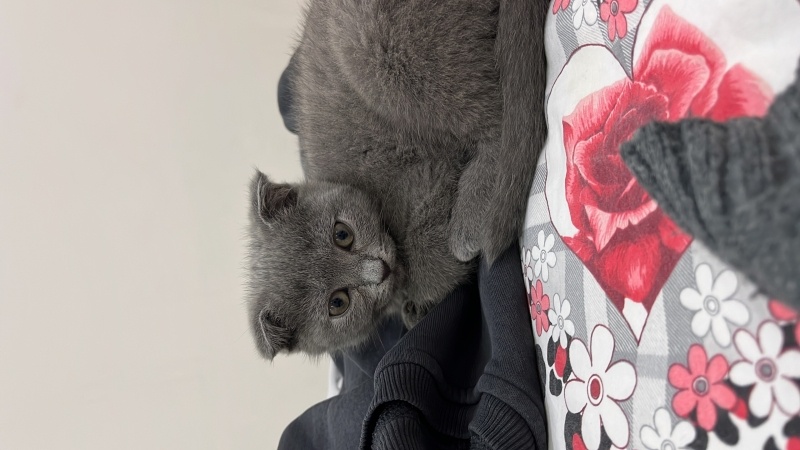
point(271, 200)
point(275, 336)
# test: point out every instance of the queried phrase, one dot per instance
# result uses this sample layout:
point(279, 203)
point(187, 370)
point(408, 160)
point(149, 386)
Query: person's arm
point(734, 185)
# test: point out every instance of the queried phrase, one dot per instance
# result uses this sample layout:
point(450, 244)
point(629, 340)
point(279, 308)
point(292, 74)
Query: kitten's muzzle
point(386, 271)
point(375, 271)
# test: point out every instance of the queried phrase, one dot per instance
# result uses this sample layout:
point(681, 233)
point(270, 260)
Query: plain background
point(129, 130)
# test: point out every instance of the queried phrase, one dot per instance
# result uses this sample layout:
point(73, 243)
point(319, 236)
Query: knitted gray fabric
point(735, 186)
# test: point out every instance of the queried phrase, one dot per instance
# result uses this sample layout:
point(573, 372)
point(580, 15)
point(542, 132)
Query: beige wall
point(128, 132)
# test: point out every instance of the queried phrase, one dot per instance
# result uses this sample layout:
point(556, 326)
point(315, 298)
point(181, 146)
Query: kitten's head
point(323, 269)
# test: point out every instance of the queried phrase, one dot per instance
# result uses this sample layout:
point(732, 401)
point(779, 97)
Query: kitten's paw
point(502, 227)
point(474, 191)
point(463, 238)
point(412, 313)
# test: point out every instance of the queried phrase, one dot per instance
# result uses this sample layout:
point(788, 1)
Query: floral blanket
point(644, 338)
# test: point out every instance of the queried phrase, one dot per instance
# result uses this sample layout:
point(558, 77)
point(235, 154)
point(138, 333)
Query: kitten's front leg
point(412, 313)
point(432, 272)
point(475, 190)
point(509, 166)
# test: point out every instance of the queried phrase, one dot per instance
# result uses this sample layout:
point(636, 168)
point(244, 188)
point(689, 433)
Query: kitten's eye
point(342, 235)
point(338, 303)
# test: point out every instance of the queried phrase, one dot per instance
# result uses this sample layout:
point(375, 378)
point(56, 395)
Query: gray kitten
point(420, 123)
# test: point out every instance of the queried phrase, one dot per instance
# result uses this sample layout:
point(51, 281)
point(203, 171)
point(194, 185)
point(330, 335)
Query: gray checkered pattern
point(667, 334)
point(572, 39)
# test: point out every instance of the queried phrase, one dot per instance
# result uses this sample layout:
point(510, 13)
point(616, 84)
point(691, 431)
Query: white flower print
point(714, 305)
point(562, 327)
point(770, 370)
point(583, 11)
point(544, 257)
point(663, 436)
point(597, 388)
point(527, 269)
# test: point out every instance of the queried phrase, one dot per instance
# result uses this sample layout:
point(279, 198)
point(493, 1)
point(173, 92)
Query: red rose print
point(701, 386)
point(623, 238)
point(540, 303)
point(613, 12)
point(559, 5)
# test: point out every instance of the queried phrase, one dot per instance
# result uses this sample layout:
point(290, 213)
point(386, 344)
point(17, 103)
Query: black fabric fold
point(464, 378)
point(286, 104)
point(466, 372)
point(336, 423)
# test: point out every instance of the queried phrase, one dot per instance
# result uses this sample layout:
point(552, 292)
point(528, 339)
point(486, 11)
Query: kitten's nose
point(374, 271)
point(386, 271)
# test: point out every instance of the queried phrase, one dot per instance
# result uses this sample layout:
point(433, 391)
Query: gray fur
point(420, 123)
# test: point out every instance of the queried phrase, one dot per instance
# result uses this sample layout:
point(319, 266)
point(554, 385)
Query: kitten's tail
point(520, 56)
